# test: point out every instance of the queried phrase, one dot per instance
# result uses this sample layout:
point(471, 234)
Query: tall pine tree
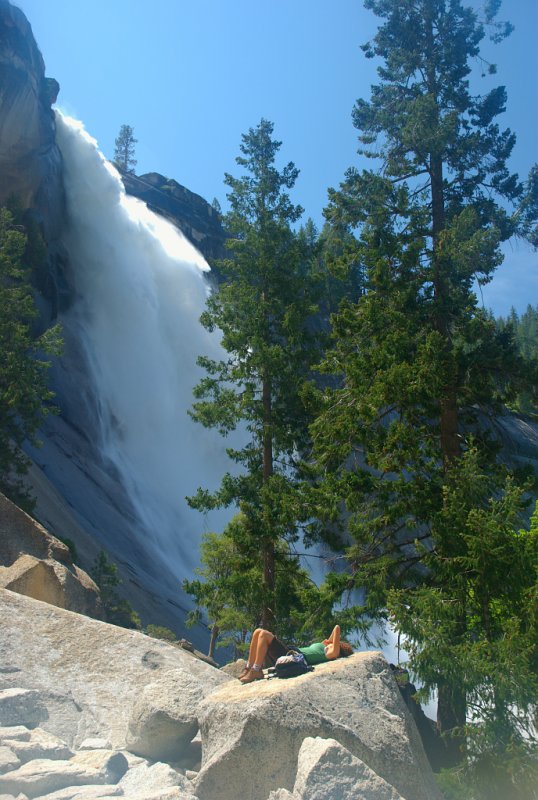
point(263, 308)
point(419, 363)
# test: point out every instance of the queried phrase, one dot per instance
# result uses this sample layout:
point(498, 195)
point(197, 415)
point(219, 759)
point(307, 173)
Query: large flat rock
point(87, 674)
point(253, 734)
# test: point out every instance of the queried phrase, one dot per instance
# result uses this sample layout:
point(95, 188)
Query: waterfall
point(140, 290)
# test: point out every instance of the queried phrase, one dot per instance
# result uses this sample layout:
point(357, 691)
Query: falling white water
point(140, 292)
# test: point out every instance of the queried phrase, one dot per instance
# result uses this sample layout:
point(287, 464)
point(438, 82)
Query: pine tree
point(125, 149)
point(417, 359)
point(263, 308)
point(25, 398)
point(525, 331)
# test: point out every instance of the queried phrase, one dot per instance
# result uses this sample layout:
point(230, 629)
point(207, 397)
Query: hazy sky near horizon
point(190, 76)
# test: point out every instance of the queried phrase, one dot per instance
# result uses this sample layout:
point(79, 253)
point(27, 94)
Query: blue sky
point(191, 76)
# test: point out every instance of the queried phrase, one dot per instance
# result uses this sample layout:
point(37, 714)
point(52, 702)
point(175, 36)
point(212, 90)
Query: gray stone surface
point(234, 668)
point(281, 794)
point(355, 701)
point(91, 792)
point(42, 776)
point(12, 797)
point(95, 744)
point(15, 732)
point(112, 765)
point(146, 780)
point(327, 771)
point(30, 163)
point(8, 759)
point(21, 706)
point(41, 744)
point(163, 719)
point(89, 674)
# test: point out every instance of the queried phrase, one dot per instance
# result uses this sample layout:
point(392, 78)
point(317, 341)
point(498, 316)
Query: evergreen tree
point(483, 564)
point(263, 308)
point(25, 398)
point(525, 331)
point(125, 149)
point(417, 359)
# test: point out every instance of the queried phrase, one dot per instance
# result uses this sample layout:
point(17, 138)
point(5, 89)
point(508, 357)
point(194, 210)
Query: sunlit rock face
point(30, 161)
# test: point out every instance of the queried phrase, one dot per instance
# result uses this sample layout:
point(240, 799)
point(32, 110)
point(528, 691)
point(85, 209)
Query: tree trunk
point(213, 640)
point(451, 716)
point(451, 707)
point(448, 407)
point(268, 618)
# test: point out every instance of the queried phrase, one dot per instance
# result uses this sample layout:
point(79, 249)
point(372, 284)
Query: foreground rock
point(84, 705)
point(327, 771)
point(88, 774)
point(258, 731)
point(86, 677)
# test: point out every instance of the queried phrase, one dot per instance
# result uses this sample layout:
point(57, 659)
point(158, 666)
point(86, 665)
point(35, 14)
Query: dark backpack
point(290, 666)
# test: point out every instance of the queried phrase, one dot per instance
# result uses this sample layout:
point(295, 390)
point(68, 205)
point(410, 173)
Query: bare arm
point(332, 644)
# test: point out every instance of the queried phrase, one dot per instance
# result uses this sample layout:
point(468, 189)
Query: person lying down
point(265, 646)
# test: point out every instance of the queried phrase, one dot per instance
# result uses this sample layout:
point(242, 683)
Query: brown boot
point(253, 675)
point(244, 672)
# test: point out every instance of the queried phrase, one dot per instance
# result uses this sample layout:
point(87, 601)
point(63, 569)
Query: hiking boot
point(253, 675)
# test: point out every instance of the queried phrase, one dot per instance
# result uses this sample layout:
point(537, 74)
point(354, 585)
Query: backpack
point(290, 666)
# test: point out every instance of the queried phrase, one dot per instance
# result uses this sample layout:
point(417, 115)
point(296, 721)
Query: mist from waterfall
point(140, 290)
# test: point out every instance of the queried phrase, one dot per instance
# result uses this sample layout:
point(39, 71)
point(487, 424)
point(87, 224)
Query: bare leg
point(264, 640)
point(253, 646)
point(261, 639)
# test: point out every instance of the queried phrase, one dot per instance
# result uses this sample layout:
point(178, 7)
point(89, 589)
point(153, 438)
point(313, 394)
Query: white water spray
point(140, 292)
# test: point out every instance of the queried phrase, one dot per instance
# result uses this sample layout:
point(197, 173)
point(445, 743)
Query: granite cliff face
point(30, 161)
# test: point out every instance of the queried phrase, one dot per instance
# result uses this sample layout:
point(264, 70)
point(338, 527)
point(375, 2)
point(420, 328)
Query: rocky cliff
point(30, 161)
point(188, 211)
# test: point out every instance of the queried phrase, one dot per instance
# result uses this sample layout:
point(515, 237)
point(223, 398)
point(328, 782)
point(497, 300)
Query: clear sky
point(190, 76)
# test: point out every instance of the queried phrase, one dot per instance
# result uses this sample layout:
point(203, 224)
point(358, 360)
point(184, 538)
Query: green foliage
point(160, 632)
point(125, 149)
point(25, 398)
point(472, 620)
point(118, 611)
point(524, 329)
point(264, 308)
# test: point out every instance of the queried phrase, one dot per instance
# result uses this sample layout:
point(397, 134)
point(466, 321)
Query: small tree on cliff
point(263, 309)
point(125, 149)
point(416, 355)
